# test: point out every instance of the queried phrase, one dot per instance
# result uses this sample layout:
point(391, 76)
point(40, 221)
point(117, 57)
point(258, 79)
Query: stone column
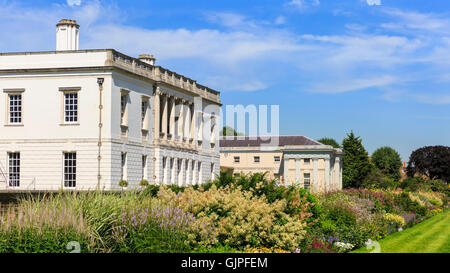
point(297, 171)
point(327, 174)
point(315, 175)
point(186, 120)
point(157, 114)
point(182, 176)
point(286, 171)
point(169, 168)
point(180, 127)
point(194, 174)
point(188, 172)
point(175, 171)
point(172, 117)
point(337, 169)
point(192, 121)
point(164, 117)
point(200, 126)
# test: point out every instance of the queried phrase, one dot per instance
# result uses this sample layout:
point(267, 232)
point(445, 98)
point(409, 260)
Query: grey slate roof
point(245, 141)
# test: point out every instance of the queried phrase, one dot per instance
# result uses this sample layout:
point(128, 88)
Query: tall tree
point(356, 164)
point(432, 161)
point(329, 141)
point(388, 161)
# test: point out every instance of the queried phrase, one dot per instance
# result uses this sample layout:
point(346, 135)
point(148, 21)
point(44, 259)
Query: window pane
point(14, 169)
point(70, 170)
point(15, 108)
point(71, 107)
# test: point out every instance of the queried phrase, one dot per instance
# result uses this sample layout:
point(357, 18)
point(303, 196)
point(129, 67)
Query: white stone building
point(291, 160)
point(86, 119)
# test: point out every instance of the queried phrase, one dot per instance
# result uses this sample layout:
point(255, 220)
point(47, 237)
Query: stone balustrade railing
point(158, 73)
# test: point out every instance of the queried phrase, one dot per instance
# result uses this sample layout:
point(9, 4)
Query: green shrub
point(144, 183)
point(47, 240)
point(123, 183)
point(424, 184)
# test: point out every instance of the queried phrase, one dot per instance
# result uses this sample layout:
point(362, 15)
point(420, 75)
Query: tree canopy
point(431, 161)
point(228, 131)
point(356, 164)
point(388, 161)
point(329, 141)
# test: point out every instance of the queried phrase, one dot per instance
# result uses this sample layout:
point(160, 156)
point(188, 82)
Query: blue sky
point(378, 67)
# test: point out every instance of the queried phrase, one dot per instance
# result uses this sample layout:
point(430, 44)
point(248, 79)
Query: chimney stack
point(67, 35)
point(147, 59)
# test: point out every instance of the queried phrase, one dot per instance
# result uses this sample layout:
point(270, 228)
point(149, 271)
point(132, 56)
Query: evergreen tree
point(329, 141)
point(356, 164)
point(388, 161)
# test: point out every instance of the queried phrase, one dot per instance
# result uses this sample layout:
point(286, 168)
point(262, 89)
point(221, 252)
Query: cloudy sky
point(378, 67)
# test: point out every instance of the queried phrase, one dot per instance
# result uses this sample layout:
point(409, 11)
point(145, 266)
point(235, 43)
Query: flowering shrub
point(301, 203)
point(343, 247)
point(240, 218)
point(159, 229)
point(395, 221)
point(265, 250)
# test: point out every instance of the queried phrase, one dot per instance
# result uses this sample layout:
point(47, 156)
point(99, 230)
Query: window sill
point(69, 124)
point(14, 125)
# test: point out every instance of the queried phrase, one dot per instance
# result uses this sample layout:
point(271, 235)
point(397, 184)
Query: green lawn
point(430, 236)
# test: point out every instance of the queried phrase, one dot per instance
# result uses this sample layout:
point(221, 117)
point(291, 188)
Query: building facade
point(291, 160)
point(87, 119)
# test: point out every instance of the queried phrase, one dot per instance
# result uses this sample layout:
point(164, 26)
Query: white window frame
point(69, 90)
point(306, 180)
point(9, 93)
point(70, 182)
point(238, 159)
point(277, 158)
point(14, 170)
point(255, 159)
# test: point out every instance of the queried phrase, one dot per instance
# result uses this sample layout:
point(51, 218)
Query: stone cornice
point(118, 61)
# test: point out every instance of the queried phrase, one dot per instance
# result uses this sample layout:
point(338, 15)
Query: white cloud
point(373, 2)
point(349, 85)
point(437, 99)
point(280, 20)
point(303, 4)
point(73, 2)
point(228, 19)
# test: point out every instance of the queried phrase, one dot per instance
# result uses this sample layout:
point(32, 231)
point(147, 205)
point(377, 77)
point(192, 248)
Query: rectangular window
point(123, 166)
point(307, 161)
point(70, 107)
point(15, 108)
point(306, 180)
point(14, 169)
point(70, 170)
point(256, 159)
point(237, 159)
point(276, 158)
